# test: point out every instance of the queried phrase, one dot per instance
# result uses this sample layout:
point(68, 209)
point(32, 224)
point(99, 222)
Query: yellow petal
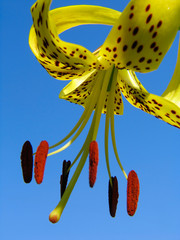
point(150, 103)
point(79, 90)
point(172, 93)
point(143, 34)
point(64, 60)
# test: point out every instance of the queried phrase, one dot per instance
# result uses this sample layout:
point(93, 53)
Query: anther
point(64, 176)
point(40, 161)
point(113, 196)
point(27, 161)
point(132, 192)
point(93, 162)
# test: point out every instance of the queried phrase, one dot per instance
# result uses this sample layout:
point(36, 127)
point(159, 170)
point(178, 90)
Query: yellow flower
point(138, 41)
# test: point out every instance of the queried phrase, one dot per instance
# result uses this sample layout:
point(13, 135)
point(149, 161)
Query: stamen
point(64, 176)
point(40, 161)
point(132, 192)
point(111, 110)
point(93, 162)
point(27, 161)
point(113, 196)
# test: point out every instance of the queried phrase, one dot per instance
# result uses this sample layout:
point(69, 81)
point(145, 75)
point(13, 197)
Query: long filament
point(112, 122)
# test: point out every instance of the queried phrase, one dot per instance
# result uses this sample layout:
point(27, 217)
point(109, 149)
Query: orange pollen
point(40, 161)
point(93, 162)
point(113, 196)
point(132, 192)
point(64, 176)
point(27, 161)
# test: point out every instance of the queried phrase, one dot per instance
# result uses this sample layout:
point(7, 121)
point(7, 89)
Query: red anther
point(93, 162)
point(27, 161)
point(40, 161)
point(132, 192)
point(64, 176)
point(113, 196)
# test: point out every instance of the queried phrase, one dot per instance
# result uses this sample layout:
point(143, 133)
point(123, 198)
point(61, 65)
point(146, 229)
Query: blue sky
point(30, 109)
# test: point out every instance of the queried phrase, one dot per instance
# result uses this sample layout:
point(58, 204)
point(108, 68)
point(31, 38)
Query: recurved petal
point(143, 34)
point(61, 59)
point(79, 89)
point(150, 103)
point(172, 93)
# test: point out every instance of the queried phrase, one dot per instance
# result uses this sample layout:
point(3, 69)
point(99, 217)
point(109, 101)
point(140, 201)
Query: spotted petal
point(79, 90)
point(61, 59)
point(155, 105)
point(143, 34)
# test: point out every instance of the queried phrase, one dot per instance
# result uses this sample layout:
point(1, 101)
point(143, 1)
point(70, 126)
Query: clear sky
point(31, 110)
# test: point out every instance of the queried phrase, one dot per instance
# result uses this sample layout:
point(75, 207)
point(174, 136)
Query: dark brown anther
point(93, 162)
point(27, 161)
point(64, 176)
point(113, 196)
point(132, 192)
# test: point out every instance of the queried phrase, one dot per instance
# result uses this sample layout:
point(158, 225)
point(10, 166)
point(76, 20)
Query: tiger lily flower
point(140, 38)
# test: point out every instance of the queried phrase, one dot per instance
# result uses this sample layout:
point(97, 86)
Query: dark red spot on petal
point(149, 18)
point(151, 28)
point(118, 40)
point(159, 24)
point(128, 63)
point(142, 59)
point(125, 47)
point(147, 8)
point(140, 48)
point(135, 31)
point(134, 44)
point(153, 45)
point(154, 35)
point(131, 15)
point(156, 49)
